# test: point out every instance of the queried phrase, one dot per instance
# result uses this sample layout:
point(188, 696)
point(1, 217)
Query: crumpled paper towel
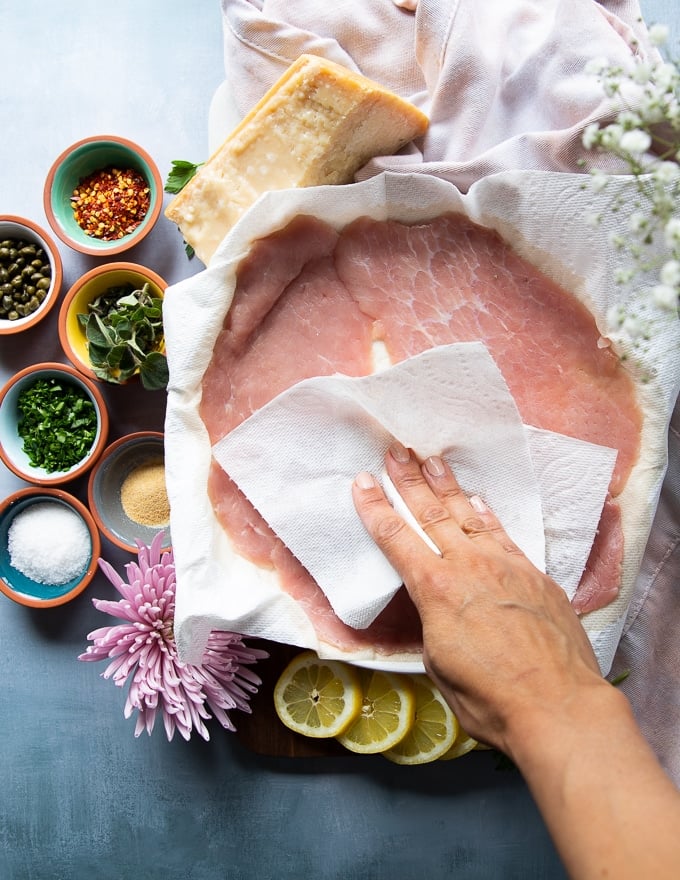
point(216, 588)
point(296, 457)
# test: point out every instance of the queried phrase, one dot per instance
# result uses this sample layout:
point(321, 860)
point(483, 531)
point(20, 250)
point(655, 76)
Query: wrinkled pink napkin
point(504, 86)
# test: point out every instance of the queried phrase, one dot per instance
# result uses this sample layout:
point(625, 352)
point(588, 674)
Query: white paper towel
point(295, 460)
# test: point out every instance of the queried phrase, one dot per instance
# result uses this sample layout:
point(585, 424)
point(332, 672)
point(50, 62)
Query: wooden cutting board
point(262, 732)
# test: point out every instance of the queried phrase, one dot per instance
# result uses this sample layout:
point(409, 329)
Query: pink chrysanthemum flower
point(144, 648)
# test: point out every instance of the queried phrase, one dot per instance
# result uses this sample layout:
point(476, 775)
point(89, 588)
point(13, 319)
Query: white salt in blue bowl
point(80, 548)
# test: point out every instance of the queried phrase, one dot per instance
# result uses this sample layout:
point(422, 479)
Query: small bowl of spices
point(127, 492)
point(30, 274)
point(53, 424)
point(49, 547)
point(103, 195)
point(111, 325)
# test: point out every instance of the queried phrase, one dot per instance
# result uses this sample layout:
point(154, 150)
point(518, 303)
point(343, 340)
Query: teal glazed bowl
point(21, 587)
point(74, 165)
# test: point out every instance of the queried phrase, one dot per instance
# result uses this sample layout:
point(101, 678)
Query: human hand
point(501, 639)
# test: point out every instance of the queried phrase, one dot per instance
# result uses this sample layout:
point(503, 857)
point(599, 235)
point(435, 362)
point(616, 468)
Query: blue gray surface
point(80, 797)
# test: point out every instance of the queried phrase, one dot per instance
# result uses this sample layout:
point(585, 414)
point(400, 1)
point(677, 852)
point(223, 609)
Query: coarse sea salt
point(49, 543)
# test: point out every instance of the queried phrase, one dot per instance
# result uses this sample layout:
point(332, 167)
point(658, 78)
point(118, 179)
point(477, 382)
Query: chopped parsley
point(57, 422)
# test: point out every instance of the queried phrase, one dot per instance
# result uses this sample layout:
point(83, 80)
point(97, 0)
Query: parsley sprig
point(179, 175)
point(124, 331)
point(57, 423)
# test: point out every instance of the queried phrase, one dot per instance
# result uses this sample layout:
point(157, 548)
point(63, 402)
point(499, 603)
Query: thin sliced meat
point(452, 281)
point(310, 327)
point(601, 579)
point(308, 302)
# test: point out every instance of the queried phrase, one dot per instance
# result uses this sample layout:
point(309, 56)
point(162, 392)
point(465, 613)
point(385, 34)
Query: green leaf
point(154, 371)
point(115, 356)
point(180, 174)
point(124, 327)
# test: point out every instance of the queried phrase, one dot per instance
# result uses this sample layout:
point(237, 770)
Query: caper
point(43, 284)
point(13, 315)
point(28, 250)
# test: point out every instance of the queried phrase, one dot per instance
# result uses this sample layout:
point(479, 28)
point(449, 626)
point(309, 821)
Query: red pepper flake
point(111, 203)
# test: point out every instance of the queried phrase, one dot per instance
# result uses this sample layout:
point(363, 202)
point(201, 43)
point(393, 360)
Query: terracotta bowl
point(79, 161)
point(28, 586)
point(20, 229)
point(11, 443)
point(86, 289)
point(109, 502)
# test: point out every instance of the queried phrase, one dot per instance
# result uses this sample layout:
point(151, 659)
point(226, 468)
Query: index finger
point(404, 548)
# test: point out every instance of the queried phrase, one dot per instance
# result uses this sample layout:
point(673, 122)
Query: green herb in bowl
point(124, 331)
point(57, 423)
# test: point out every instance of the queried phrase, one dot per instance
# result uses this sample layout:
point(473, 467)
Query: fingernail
point(434, 466)
point(477, 504)
point(399, 453)
point(364, 480)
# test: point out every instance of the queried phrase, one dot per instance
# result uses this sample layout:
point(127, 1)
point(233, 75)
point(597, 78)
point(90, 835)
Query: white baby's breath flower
point(623, 276)
point(635, 141)
point(633, 327)
point(590, 135)
point(670, 273)
point(644, 112)
point(638, 222)
point(665, 172)
point(610, 136)
point(658, 34)
point(665, 296)
point(599, 180)
point(595, 66)
point(616, 240)
point(642, 72)
point(672, 232)
point(629, 120)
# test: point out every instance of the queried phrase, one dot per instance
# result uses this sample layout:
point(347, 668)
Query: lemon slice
point(434, 729)
point(387, 712)
point(317, 698)
point(462, 744)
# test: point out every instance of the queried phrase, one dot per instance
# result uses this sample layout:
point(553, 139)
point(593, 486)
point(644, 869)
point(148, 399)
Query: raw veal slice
point(311, 301)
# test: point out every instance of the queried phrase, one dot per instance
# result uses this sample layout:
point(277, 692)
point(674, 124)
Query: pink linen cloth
point(504, 85)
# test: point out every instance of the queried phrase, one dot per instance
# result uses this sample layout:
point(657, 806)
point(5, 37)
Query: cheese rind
point(317, 125)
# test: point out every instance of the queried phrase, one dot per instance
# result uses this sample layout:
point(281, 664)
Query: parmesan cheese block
point(317, 125)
